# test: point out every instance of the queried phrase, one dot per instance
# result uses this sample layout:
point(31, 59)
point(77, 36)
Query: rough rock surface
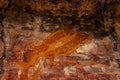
point(27, 22)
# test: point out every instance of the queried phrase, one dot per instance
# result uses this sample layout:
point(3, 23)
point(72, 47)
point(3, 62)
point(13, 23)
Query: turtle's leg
point(30, 61)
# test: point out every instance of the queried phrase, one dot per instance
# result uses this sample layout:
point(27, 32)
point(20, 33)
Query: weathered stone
point(28, 22)
point(1, 48)
point(117, 29)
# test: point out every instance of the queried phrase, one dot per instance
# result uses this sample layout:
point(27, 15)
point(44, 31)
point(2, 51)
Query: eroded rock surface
point(27, 22)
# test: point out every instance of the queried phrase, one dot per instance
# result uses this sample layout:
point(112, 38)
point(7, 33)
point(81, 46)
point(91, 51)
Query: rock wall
point(27, 22)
